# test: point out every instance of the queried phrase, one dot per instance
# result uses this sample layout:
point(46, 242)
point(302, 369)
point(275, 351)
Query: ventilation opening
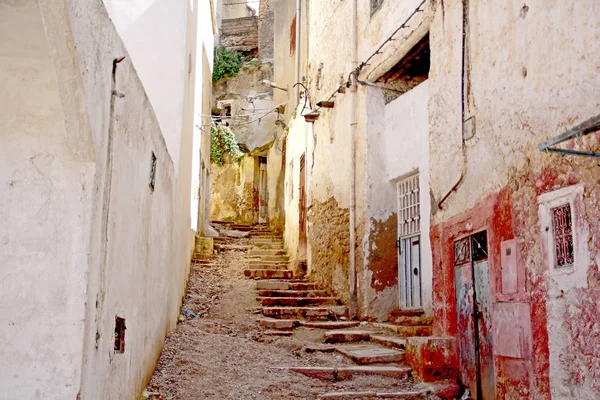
point(119, 335)
point(412, 70)
point(152, 171)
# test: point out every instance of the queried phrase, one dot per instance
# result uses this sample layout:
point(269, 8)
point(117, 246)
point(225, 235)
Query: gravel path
point(222, 354)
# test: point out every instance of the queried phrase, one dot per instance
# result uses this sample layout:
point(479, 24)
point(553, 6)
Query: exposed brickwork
point(240, 34)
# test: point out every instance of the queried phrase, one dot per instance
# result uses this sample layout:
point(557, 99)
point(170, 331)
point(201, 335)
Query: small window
point(119, 335)
point(562, 230)
point(152, 171)
point(375, 5)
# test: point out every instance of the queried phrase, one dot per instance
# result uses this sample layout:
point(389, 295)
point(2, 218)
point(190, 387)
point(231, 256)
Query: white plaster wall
point(406, 149)
point(140, 240)
point(154, 32)
point(295, 147)
point(46, 187)
point(201, 128)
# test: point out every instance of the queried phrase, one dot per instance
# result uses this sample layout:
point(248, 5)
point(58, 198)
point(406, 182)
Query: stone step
point(269, 246)
point(406, 331)
point(265, 239)
point(266, 266)
point(278, 324)
point(389, 341)
point(347, 335)
point(267, 263)
point(274, 252)
point(297, 301)
point(370, 354)
point(277, 258)
point(292, 293)
point(329, 324)
point(234, 247)
point(268, 273)
point(405, 395)
point(343, 373)
point(275, 332)
point(309, 313)
point(411, 320)
point(285, 285)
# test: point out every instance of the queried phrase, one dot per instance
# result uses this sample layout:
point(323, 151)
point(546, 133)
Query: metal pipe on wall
point(353, 102)
point(298, 40)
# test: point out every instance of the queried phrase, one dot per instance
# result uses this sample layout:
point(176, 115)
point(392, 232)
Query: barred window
point(409, 207)
point(562, 228)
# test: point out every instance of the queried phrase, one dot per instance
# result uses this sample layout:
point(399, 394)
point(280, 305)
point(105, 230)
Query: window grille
point(408, 197)
point(562, 228)
point(375, 5)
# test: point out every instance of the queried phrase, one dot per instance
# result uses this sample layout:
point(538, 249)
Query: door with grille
point(409, 243)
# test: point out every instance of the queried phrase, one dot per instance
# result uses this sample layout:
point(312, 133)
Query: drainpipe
point(298, 22)
point(353, 102)
point(465, 81)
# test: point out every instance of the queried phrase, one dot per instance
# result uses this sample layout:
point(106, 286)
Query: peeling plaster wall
point(397, 145)
point(533, 74)
point(234, 191)
point(330, 172)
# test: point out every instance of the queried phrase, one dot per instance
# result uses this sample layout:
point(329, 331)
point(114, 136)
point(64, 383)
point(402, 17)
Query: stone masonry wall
point(329, 237)
point(240, 34)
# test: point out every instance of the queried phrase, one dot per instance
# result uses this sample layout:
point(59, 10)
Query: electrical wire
point(363, 64)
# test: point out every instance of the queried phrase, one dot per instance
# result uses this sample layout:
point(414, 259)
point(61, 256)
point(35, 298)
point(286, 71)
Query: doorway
point(473, 315)
point(302, 209)
point(409, 243)
point(263, 195)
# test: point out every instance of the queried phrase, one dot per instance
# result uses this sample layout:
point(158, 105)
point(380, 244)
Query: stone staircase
point(371, 349)
point(279, 294)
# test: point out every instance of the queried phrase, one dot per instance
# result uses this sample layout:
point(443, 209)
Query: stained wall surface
point(529, 76)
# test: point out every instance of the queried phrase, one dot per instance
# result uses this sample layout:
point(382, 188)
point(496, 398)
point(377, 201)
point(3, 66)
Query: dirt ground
point(222, 354)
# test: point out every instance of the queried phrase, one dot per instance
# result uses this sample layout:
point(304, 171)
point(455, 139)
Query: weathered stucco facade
point(528, 72)
point(244, 190)
point(85, 238)
point(364, 132)
point(498, 80)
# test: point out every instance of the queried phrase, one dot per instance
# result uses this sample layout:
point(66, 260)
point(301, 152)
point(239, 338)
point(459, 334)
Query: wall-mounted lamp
point(268, 83)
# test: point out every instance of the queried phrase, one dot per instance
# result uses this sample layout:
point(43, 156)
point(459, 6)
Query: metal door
point(409, 242)
point(473, 312)
point(410, 272)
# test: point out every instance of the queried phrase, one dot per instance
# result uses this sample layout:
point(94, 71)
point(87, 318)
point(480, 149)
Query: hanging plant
point(227, 63)
point(223, 142)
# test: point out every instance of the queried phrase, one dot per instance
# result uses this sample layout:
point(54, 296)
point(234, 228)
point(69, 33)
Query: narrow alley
point(299, 199)
point(245, 337)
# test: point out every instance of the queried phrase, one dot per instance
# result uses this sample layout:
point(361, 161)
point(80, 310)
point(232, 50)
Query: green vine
point(222, 143)
point(227, 63)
